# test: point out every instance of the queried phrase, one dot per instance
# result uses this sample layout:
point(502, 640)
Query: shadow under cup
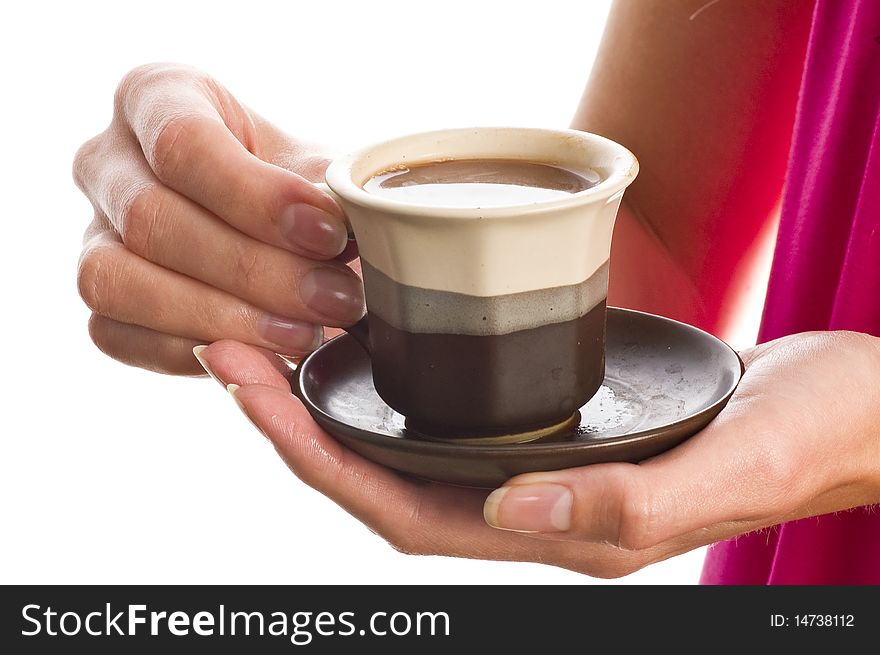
point(486, 321)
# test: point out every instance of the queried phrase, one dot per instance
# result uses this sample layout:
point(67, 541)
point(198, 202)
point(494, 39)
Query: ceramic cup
point(485, 321)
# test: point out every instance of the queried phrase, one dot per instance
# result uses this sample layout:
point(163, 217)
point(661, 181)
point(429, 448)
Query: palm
point(745, 471)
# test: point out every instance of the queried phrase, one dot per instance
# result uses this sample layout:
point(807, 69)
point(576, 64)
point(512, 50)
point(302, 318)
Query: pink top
point(825, 276)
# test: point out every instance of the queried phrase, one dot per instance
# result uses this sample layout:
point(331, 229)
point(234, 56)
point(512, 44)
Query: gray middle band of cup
point(430, 311)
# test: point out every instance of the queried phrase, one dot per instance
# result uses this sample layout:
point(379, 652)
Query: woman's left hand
point(799, 437)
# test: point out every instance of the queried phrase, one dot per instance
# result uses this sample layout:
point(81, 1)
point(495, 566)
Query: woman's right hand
point(206, 227)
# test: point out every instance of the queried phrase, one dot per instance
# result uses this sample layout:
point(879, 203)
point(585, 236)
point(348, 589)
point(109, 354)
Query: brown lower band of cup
point(471, 385)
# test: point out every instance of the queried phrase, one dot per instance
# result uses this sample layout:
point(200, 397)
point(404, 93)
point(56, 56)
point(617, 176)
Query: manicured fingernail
point(313, 229)
point(292, 335)
point(232, 389)
point(529, 508)
point(197, 351)
point(337, 296)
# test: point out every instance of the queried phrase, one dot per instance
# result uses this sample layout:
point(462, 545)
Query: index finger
point(413, 516)
point(201, 142)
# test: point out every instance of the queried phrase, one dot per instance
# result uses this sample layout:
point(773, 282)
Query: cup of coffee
point(485, 262)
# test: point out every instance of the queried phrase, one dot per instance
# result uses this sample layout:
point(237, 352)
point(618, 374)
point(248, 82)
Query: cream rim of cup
point(573, 149)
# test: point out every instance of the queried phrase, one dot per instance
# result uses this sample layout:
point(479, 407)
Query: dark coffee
point(479, 183)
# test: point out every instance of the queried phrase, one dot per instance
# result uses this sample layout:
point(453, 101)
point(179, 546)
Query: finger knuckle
point(171, 145)
point(248, 267)
point(140, 79)
point(776, 466)
point(412, 537)
point(134, 83)
point(96, 278)
point(83, 161)
point(614, 567)
point(171, 354)
point(100, 333)
point(407, 544)
point(861, 348)
point(640, 519)
point(141, 220)
point(607, 562)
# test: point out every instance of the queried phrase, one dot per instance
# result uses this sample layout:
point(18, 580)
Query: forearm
point(705, 99)
point(645, 276)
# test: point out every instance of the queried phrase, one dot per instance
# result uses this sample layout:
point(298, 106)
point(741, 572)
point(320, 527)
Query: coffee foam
point(479, 183)
point(419, 310)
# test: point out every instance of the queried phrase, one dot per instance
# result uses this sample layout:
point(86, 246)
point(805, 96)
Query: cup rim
point(624, 170)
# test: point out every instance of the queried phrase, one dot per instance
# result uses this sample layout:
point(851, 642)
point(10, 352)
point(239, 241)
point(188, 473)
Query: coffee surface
point(479, 183)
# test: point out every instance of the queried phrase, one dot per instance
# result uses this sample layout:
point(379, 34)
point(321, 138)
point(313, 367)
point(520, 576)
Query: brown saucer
point(664, 381)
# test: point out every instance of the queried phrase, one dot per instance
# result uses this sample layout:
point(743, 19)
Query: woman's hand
point(206, 227)
point(798, 438)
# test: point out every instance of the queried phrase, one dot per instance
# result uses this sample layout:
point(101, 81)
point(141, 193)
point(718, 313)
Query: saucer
point(664, 381)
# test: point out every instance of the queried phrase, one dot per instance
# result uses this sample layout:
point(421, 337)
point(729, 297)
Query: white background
point(110, 474)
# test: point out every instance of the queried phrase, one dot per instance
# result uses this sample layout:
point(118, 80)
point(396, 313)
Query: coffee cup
point(485, 313)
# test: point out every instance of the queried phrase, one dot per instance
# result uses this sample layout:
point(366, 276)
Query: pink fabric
point(825, 276)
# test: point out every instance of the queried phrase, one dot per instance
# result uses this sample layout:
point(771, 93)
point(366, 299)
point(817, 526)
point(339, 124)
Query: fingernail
point(197, 351)
point(232, 389)
point(337, 296)
point(313, 229)
point(292, 335)
point(529, 508)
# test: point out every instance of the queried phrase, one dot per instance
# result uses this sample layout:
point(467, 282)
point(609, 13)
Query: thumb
point(731, 472)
